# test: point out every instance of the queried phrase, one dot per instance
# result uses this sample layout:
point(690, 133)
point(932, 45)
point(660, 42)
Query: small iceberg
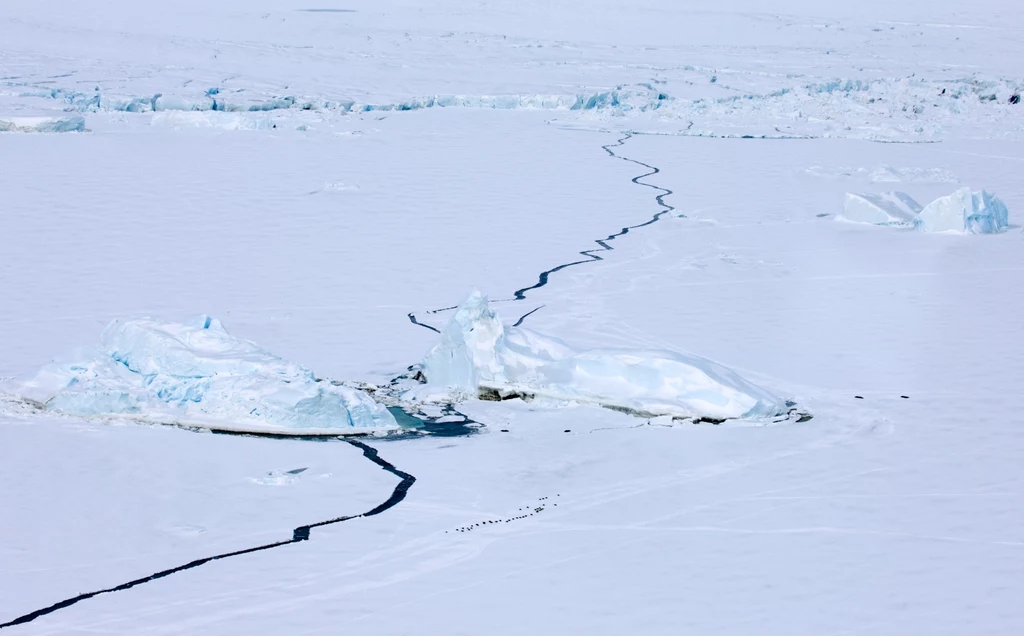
point(198, 374)
point(964, 212)
point(480, 356)
point(887, 208)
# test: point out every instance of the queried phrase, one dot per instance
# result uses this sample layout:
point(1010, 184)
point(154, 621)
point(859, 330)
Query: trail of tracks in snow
point(591, 255)
point(299, 534)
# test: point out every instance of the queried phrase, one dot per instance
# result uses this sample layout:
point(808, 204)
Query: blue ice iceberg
point(965, 212)
point(197, 373)
point(477, 353)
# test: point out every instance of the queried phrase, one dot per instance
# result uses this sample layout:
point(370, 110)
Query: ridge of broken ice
point(478, 353)
point(881, 109)
point(198, 373)
point(42, 124)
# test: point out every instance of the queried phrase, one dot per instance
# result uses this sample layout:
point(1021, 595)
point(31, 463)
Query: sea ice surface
point(887, 208)
point(964, 211)
point(477, 352)
point(198, 373)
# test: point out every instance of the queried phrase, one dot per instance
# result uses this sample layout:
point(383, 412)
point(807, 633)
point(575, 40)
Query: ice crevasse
point(198, 373)
point(477, 352)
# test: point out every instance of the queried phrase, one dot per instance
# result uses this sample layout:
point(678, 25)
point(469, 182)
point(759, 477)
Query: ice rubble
point(964, 211)
point(42, 124)
point(478, 354)
point(887, 208)
point(197, 373)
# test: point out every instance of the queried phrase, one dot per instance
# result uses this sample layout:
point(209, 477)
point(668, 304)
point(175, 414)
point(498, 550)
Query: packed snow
point(198, 373)
point(887, 208)
point(964, 212)
point(478, 352)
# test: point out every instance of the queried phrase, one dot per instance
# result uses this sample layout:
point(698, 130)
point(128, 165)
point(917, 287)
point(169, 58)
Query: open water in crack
point(299, 534)
point(591, 255)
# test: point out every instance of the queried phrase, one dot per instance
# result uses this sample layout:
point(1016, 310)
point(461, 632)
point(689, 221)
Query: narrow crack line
point(412, 319)
point(299, 534)
point(603, 244)
point(527, 314)
point(592, 255)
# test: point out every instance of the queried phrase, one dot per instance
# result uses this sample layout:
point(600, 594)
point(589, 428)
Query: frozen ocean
point(460, 317)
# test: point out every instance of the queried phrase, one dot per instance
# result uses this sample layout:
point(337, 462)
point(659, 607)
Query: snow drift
point(964, 211)
point(198, 373)
point(887, 208)
point(478, 354)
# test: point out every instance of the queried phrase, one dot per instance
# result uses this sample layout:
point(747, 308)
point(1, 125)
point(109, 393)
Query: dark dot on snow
point(504, 430)
point(1015, 99)
point(568, 431)
point(905, 397)
point(859, 397)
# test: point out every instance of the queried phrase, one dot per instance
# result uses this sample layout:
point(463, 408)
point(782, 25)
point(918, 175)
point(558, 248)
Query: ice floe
point(197, 373)
point(42, 124)
point(964, 211)
point(478, 355)
point(887, 208)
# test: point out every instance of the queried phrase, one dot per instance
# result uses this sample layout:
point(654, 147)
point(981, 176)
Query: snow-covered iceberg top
point(478, 353)
point(197, 373)
point(964, 211)
point(887, 208)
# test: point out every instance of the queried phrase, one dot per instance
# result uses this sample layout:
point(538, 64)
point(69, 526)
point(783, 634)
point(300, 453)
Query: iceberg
point(479, 355)
point(965, 212)
point(887, 208)
point(197, 373)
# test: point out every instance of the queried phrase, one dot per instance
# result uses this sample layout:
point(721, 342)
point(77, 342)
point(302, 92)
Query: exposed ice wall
point(198, 373)
point(477, 352)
